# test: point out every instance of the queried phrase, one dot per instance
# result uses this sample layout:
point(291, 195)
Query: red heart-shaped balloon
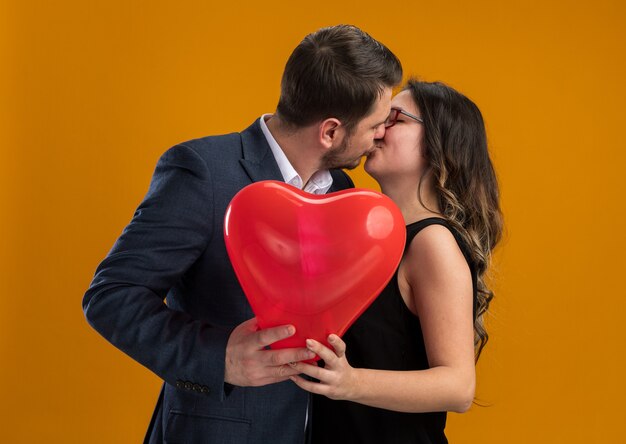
point(316, 262)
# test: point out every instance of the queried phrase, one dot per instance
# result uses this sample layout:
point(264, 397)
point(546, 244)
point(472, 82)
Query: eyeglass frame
point(399, 111)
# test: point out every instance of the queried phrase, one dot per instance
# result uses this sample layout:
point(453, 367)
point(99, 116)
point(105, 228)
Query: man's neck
point(297, 146)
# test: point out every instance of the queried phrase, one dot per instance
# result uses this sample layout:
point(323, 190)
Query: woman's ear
point(331, 131)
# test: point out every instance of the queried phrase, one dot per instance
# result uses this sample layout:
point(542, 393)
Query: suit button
point(188, 385)
point(180, 384)
point(204, 390)
point(196, 387)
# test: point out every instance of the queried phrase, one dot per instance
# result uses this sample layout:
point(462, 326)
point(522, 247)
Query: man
point(222, 383)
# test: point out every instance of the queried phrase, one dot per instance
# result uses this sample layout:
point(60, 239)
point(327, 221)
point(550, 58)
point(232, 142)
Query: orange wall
point(92, 92)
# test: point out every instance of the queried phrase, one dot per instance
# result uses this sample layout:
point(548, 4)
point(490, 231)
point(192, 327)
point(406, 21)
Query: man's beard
point(334, 158)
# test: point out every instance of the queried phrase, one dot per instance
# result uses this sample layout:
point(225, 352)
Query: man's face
point(361, 141)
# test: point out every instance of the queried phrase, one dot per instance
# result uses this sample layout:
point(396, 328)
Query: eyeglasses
point(393, 117)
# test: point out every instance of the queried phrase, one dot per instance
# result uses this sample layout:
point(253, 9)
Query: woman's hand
point(337, 379)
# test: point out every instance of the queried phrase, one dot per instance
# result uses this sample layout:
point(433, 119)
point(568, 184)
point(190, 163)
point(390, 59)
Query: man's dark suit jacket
point(174, 248)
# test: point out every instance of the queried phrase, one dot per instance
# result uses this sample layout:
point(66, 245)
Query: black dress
point(387, 336)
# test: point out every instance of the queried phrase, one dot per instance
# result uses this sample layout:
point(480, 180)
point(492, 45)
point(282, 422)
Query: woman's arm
point(437, 286)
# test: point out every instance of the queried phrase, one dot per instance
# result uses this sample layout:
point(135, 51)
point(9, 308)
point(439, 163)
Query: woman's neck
point(412, 207)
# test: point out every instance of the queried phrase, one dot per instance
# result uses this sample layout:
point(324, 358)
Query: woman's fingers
point(320, 350)
point(309, 386)
point(333, 378)
point(310, 370)
point(338, 345)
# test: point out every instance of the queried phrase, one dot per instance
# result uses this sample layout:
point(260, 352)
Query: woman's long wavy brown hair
point(455, 146)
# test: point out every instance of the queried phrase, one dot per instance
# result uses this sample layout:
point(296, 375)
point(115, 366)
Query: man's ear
point(331, 132)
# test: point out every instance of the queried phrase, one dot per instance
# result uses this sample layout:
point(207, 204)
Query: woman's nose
point(380, 132)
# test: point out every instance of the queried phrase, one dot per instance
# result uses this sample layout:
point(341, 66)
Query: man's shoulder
point(209, 143)
point(218, 145)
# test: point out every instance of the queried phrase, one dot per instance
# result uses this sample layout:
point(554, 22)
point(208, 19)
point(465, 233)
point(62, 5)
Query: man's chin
point(344, 164)
point(352, 166)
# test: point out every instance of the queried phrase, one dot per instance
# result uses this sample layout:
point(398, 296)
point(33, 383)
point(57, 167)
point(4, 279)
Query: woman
point(410, 357)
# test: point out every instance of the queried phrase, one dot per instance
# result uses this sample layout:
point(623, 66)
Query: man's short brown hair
point(338, 72)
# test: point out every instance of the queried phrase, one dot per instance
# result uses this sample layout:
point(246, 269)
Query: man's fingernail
point(291, 330)
point(309, 343)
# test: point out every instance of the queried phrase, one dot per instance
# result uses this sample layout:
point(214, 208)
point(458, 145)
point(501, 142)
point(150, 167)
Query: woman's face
point(398, 156)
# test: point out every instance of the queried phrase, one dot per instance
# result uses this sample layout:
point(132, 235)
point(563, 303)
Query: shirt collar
point(319, 183)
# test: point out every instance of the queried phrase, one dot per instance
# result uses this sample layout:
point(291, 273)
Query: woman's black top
point(387, 336)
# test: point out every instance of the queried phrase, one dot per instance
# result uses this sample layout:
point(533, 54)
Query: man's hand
point(249, 363)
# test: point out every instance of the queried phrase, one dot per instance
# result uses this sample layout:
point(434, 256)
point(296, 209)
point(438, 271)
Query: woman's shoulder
point(433, 249)
point(433, 264)
point(431, 236)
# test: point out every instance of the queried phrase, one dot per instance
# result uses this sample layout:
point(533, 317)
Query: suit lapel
point(258, 160)
point(341, 181)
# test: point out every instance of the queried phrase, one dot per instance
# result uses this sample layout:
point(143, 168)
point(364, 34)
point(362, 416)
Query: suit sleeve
point(125, 302)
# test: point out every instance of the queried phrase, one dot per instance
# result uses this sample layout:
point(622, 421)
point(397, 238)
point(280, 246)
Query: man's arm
point(124, 303)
